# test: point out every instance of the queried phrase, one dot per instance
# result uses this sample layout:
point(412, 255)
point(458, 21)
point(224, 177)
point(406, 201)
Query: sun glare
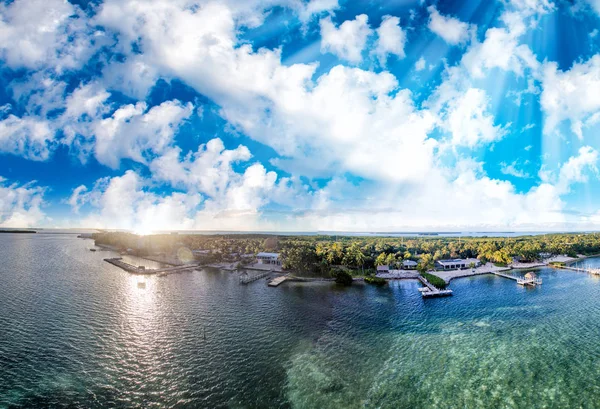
point(143, 231)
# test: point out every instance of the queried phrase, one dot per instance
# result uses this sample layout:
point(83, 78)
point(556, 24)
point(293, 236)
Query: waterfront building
point(383, 269)
point(268, 258)
point(456, 264)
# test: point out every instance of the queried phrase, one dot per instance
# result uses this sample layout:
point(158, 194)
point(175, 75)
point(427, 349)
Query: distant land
point(18, 231)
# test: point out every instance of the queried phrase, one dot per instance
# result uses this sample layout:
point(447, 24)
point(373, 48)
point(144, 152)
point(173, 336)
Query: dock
point(277, 280)
point(528, 279)
point(592, 271)
point(432, 291)
point(130, 268)
point(245, 278)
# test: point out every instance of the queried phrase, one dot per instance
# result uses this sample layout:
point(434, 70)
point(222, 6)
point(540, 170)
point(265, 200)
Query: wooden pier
point(592, 271)
point(432, 291)
point(529, 278)
point(245, 278)
point(277, 280)
point(130, 268)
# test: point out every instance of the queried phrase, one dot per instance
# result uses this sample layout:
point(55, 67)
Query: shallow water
point(78, 332)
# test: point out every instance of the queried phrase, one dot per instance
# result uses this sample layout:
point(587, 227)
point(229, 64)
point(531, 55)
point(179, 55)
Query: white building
point(268, 258)
point(456, 264)
point(383, 269)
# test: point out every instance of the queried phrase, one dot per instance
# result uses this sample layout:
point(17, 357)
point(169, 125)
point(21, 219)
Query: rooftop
point(264, 254)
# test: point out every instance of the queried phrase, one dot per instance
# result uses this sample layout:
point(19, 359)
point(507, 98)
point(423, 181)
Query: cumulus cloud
point(349, 39)
point(21, 205)
point(215, 195)
point(458, 198)
point(124, 202)
point(30, 137)
point(501, 49)
point(572, 95)
point(391, 39)
point(209, 170)
point(513, 170)
point(133, 131)
point(468, 121)
point(348, 121)
point(46, 33)
point(451, 29)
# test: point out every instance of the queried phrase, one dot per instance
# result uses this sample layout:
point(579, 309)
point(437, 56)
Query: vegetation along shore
point(345, 258)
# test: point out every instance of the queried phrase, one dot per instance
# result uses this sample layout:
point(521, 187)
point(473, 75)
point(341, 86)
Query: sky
point(300, 115)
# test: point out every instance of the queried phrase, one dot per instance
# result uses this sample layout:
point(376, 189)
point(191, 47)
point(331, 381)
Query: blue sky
point(298, 115)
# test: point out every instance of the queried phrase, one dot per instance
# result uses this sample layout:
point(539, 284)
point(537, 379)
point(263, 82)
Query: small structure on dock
point(529, 279)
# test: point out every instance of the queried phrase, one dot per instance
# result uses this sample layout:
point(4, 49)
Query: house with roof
point(383, 269)
point(456, 264)
point(268, 258)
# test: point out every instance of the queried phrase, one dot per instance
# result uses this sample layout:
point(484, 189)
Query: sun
point(143, 231)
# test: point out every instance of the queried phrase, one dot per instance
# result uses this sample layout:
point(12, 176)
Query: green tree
point(381, 260)
point(425, 263)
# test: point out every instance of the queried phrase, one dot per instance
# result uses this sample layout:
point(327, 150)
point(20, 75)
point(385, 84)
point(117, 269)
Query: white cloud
point(572, 171)
point(316, 7)
point(501, 49)
point(347, 121)
point(29, 137)
point(21, 205)
point(391, 39)
point(38, 93)
point(572, 95)
point(458, 198)
point(533, 6)
point(420, 64)
point(209, 170)
point(44, 33)
point(513, 170)
point(78, 198)
point(216, 196)
point(132, 131)
point(349, 39)
point(468, 120)
point(124, 202)
point(451, 29)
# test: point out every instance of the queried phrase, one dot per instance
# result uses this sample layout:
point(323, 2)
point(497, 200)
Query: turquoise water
point(78, 332)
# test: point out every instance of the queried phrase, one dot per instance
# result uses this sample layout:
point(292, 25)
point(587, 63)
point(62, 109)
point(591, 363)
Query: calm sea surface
point(78, 332)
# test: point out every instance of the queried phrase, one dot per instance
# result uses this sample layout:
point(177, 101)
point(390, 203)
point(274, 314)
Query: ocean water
point(78, 332)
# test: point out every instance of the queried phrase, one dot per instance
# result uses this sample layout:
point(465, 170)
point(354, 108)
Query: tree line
point(319, 255)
